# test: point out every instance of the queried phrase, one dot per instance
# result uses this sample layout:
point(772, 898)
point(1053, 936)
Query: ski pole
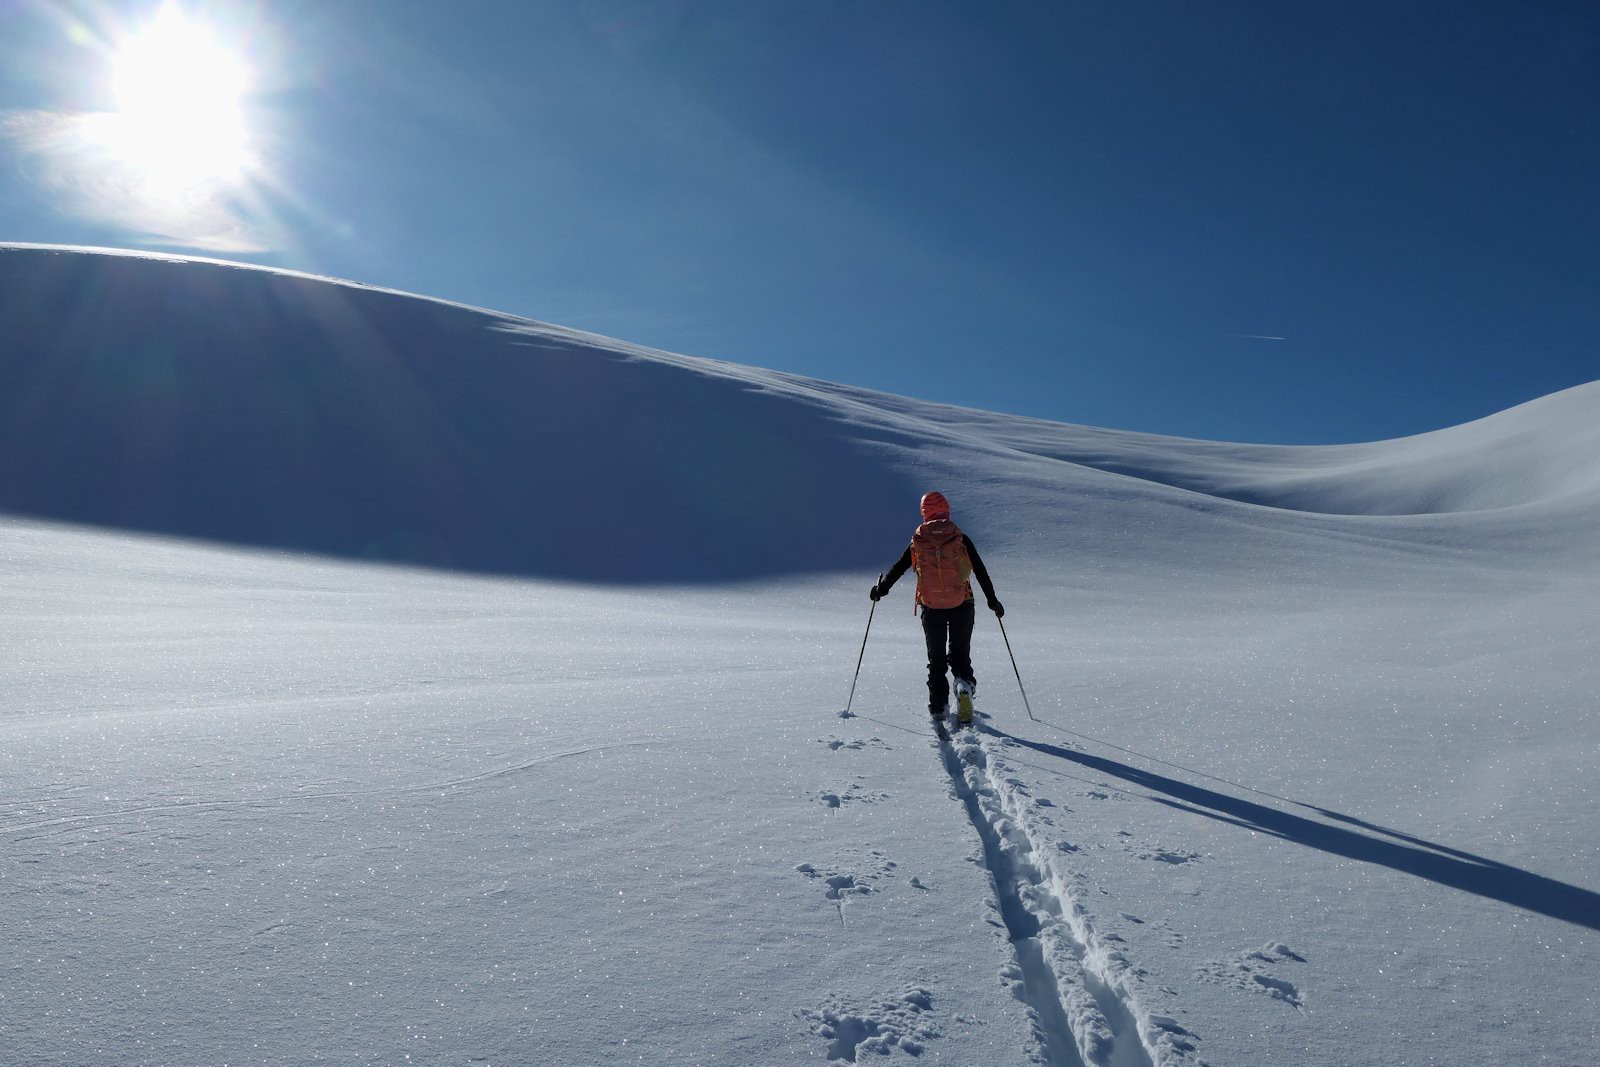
point(1014, 670)
point(863, 655)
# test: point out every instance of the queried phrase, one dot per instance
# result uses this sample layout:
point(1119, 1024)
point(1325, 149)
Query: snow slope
point(265, 408)
point(1309, 774)
point(1540, 453)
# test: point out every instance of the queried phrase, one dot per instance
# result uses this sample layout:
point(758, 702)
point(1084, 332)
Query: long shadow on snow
point(230, 404)
point(1400, 852)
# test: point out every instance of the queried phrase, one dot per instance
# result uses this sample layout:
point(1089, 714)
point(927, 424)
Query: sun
point(180, 95)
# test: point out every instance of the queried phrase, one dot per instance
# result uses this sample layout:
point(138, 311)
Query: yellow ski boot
point(964, 692)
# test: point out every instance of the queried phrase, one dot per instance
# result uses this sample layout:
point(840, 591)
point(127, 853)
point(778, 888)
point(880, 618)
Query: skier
point(944, 559)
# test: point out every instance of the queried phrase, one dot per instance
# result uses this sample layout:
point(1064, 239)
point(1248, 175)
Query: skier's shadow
point(1369, 843)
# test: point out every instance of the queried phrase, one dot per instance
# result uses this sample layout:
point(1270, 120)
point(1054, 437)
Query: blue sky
point(1255, 221)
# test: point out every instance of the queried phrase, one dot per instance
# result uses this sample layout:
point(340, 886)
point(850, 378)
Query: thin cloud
point(70, 158)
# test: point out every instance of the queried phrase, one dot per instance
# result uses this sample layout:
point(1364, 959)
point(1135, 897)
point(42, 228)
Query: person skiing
point(944, 559)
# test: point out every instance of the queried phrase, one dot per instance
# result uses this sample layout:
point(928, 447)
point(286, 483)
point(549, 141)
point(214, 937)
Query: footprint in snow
point(1252, 972)
point(834, 800)
point(1166, 855)
point(882, 1026)
point(1170, 1034)
point(840, 885)
point(837, 743)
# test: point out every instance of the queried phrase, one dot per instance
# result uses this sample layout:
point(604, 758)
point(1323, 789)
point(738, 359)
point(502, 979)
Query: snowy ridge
point(269, 408)
point(1544, 453)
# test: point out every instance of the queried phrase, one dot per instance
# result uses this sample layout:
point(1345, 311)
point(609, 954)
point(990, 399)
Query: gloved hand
point(998, 608)
point(876, 594)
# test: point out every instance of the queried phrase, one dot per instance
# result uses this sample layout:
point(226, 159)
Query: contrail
point(1258, 337)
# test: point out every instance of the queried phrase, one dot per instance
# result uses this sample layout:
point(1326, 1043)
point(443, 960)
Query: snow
point(389, 681)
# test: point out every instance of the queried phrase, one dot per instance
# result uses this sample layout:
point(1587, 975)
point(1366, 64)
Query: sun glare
point(174, 155)
point(180, 94)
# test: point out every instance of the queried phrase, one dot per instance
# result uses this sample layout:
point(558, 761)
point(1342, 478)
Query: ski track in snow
point(1080, 984)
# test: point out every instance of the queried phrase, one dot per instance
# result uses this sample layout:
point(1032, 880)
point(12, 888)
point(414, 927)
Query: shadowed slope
point(258, 407)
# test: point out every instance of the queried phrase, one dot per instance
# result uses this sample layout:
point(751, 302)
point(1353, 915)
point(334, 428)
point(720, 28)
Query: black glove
point(876, 594)
point(998, 608)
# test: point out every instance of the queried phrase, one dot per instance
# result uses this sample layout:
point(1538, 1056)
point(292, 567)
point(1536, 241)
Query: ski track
point(1080, 986)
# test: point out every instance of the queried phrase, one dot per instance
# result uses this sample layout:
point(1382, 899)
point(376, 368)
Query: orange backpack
point(939, 556)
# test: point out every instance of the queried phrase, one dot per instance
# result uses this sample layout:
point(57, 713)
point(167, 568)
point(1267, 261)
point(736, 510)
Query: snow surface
point(1310, 775)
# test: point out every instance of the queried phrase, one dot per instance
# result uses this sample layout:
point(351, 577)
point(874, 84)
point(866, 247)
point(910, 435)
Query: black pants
point(948, 632)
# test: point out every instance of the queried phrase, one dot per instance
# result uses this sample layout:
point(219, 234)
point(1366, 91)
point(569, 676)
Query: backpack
point(939, 556)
